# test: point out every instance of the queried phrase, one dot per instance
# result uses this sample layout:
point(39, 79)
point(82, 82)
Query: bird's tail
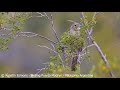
point(74, 62)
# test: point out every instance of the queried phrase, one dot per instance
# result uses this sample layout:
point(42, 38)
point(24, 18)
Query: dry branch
point(97, 47)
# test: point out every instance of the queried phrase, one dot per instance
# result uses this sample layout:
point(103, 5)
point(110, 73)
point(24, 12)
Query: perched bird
point(75, 30)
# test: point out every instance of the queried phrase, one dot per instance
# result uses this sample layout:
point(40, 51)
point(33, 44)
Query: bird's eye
point(75, 25)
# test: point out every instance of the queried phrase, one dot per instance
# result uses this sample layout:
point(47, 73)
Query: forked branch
point(97, 47)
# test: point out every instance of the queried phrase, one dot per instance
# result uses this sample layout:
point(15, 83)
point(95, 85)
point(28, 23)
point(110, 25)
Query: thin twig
point(34, 17)
point(52, 23)
point(54, 52)
point(34, 34)
point(91, 30)
point(83, 17)
point(47, 16)
point(95, 15)
point(39, 70)
point(83, 54)
point(53, 28)
point(52, 46)
point(87, 47)
point(1, 35)
point(48, 48)
point(5, 29)
point(40, 14)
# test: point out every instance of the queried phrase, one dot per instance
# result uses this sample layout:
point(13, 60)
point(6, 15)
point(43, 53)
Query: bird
point(75, 30)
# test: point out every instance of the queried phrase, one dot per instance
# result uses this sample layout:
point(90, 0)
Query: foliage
point(73, 43)
point(12, 24)
point(70, 44)
point(4, 43)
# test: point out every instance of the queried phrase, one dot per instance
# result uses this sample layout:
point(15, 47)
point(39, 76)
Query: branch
point(4, 29)
point(52, 46)
point(83, 54)
point(51, 20)
point(83, 17)
point(53, 28)
point(39, 70)
point(87, 47)
point(47, 16)
point(99, 50)
point(104, 58)
point(54, 52)
point(48, 48)
point(94, 15)
point(91, 30)
point(52, 23)
point(2, 35)
point(34, 34)
point(41, 14)
point(34, 17)
point(79, 58)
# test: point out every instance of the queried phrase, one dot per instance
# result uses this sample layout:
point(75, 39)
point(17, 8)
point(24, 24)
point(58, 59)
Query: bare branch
point(54, 52)
point(104, 58)
point(53, 28)
point(83, 17)
point(48, 48)
point(40, 14)
point(47, 16)
point(95, 15)
point(87, 47)
point(98, 49)
point(52, 46)
point(79, 58)
point(83, 54)
point(39, 70)
point(34, 17)
point(52, 23)
point(34, 34)
point(91, 30)
point(4, 29)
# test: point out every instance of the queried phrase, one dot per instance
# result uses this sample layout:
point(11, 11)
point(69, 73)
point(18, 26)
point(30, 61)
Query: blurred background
point(25, 57)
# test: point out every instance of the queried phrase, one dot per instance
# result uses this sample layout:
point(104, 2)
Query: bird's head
point(75, 26)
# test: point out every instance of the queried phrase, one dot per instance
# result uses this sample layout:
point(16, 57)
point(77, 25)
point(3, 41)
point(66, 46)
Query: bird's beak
point(78, 28)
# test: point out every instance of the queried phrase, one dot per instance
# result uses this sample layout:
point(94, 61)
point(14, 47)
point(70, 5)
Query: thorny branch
point(97, 47)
